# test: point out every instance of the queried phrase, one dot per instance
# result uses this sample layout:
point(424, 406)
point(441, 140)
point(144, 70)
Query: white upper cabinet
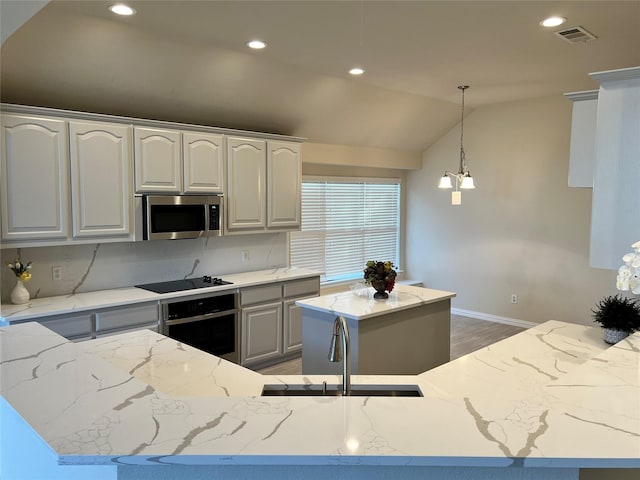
point(283, 185)
point(264, 185)
point(35, 172)
point(171, 161)
point(246, 183)
point(203, 158)
point(101, 179)
point(70, 177)
point(615, 211)
point(582, 156)
point(158, 164)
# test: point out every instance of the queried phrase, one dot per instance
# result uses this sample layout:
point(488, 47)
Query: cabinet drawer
point(297, 288)
point(269, 293)
point(150, 326)
point(70, 325)
point(125, 317)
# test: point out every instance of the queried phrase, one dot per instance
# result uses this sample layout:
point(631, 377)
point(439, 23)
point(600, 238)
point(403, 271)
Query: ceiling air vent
point(575, 35)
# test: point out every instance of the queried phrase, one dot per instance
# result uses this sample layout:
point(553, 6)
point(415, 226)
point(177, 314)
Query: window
point(346, 222)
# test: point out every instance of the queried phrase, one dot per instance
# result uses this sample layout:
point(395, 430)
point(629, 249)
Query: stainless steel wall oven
point(208, 322)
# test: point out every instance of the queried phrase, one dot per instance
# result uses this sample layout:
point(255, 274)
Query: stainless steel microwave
point(172, 217)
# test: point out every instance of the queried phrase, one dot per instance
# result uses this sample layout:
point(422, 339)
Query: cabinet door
point(582, 152)
point(100, 179)
point(283, 185)
point(615, 208)
point(202, 154)
point(246, 169)
point(35, 172)
point(157, 159)
point(261, 333)
point(128, 317)
point(292, 326)
point(77, 326)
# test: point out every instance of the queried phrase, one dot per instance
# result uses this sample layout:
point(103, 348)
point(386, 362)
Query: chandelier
point(463, 178)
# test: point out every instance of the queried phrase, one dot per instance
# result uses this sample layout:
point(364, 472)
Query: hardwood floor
point(467, 335)
point(470, 334)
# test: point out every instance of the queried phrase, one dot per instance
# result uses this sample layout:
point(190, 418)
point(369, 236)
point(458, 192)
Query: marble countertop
point(78, 302)
point(553, 396)
point(359, 304)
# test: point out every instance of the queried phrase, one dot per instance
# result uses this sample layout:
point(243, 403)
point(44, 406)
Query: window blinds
point(344, 224)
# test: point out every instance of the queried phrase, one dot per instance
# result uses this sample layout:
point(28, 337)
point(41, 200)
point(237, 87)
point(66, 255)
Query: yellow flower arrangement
point(21, 270)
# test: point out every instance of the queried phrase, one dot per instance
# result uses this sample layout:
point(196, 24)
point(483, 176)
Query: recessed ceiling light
point(256, 44)
point(553, 21)
point(356, 71)
point(122, 9)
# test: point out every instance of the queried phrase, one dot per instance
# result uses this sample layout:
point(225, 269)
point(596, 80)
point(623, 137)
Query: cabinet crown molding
point(580, 96)
point(616, 75)
point(100, 117)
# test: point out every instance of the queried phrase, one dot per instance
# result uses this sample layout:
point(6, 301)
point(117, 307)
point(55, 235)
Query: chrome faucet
point(335, 355)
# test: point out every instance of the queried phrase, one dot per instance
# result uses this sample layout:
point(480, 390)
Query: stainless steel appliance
point(207, 321)
point(170, 217)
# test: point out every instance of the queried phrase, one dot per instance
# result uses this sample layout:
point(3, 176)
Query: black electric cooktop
point(186, 284)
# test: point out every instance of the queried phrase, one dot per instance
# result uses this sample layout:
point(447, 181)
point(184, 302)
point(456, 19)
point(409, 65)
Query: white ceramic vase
point(19, 294)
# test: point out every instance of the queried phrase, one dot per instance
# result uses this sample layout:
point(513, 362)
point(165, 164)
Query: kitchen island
point(545, 403)
point(405, 334)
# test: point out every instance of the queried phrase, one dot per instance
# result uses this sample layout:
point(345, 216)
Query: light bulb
point(553, 21)
point(467, 182)
point(445, 182)
point(256, 44)
point(121, 9)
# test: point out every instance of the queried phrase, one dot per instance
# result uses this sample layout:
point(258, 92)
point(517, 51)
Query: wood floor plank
point(467, 335)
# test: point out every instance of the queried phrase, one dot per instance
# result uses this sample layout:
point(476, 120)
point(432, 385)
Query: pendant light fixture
point(463, 178)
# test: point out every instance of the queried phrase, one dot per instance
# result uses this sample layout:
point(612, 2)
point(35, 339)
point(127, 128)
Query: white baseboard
point(493, 318)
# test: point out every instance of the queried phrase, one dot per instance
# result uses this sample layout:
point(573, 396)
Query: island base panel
point(405, 342)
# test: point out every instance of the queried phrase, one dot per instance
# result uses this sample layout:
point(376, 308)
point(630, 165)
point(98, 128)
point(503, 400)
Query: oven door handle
point(199, 318)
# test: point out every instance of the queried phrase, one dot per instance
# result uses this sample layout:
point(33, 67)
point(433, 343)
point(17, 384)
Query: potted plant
point(618, 316)
point(381, 276)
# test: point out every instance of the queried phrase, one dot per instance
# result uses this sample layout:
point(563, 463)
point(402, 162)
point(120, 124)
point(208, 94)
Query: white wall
point(522, 230)
point(113, 265)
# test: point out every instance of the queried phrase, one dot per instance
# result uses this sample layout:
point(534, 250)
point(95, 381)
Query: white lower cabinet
point(262, 329)
point(271, 322)
point(292, 326)
point(76, 327)
point(125, 319)
point(92, 324)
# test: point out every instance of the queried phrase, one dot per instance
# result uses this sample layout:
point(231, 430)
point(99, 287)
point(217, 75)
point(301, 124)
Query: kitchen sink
point(308, 390)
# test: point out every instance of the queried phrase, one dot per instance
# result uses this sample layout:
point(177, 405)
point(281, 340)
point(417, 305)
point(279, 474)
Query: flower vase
point(19, 294)
point(380, 287)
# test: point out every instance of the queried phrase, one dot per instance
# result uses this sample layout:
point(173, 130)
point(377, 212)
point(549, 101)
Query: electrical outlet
point(245, 255)
point(514, 298)
point(56, 273)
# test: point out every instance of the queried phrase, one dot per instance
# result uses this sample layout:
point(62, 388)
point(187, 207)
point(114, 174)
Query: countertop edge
point(331, 303)
point(133, 295)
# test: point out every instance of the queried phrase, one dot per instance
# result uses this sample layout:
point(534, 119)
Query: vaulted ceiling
point(187, 61)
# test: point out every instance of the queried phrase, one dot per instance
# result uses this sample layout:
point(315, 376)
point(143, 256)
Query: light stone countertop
point(74, 303)
point(359, 304)
point(553, 396)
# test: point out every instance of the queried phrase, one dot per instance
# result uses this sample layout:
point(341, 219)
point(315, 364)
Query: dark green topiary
point(618, 313)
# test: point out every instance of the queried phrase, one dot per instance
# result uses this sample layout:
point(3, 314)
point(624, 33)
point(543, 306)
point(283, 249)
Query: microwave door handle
point(205, 232)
